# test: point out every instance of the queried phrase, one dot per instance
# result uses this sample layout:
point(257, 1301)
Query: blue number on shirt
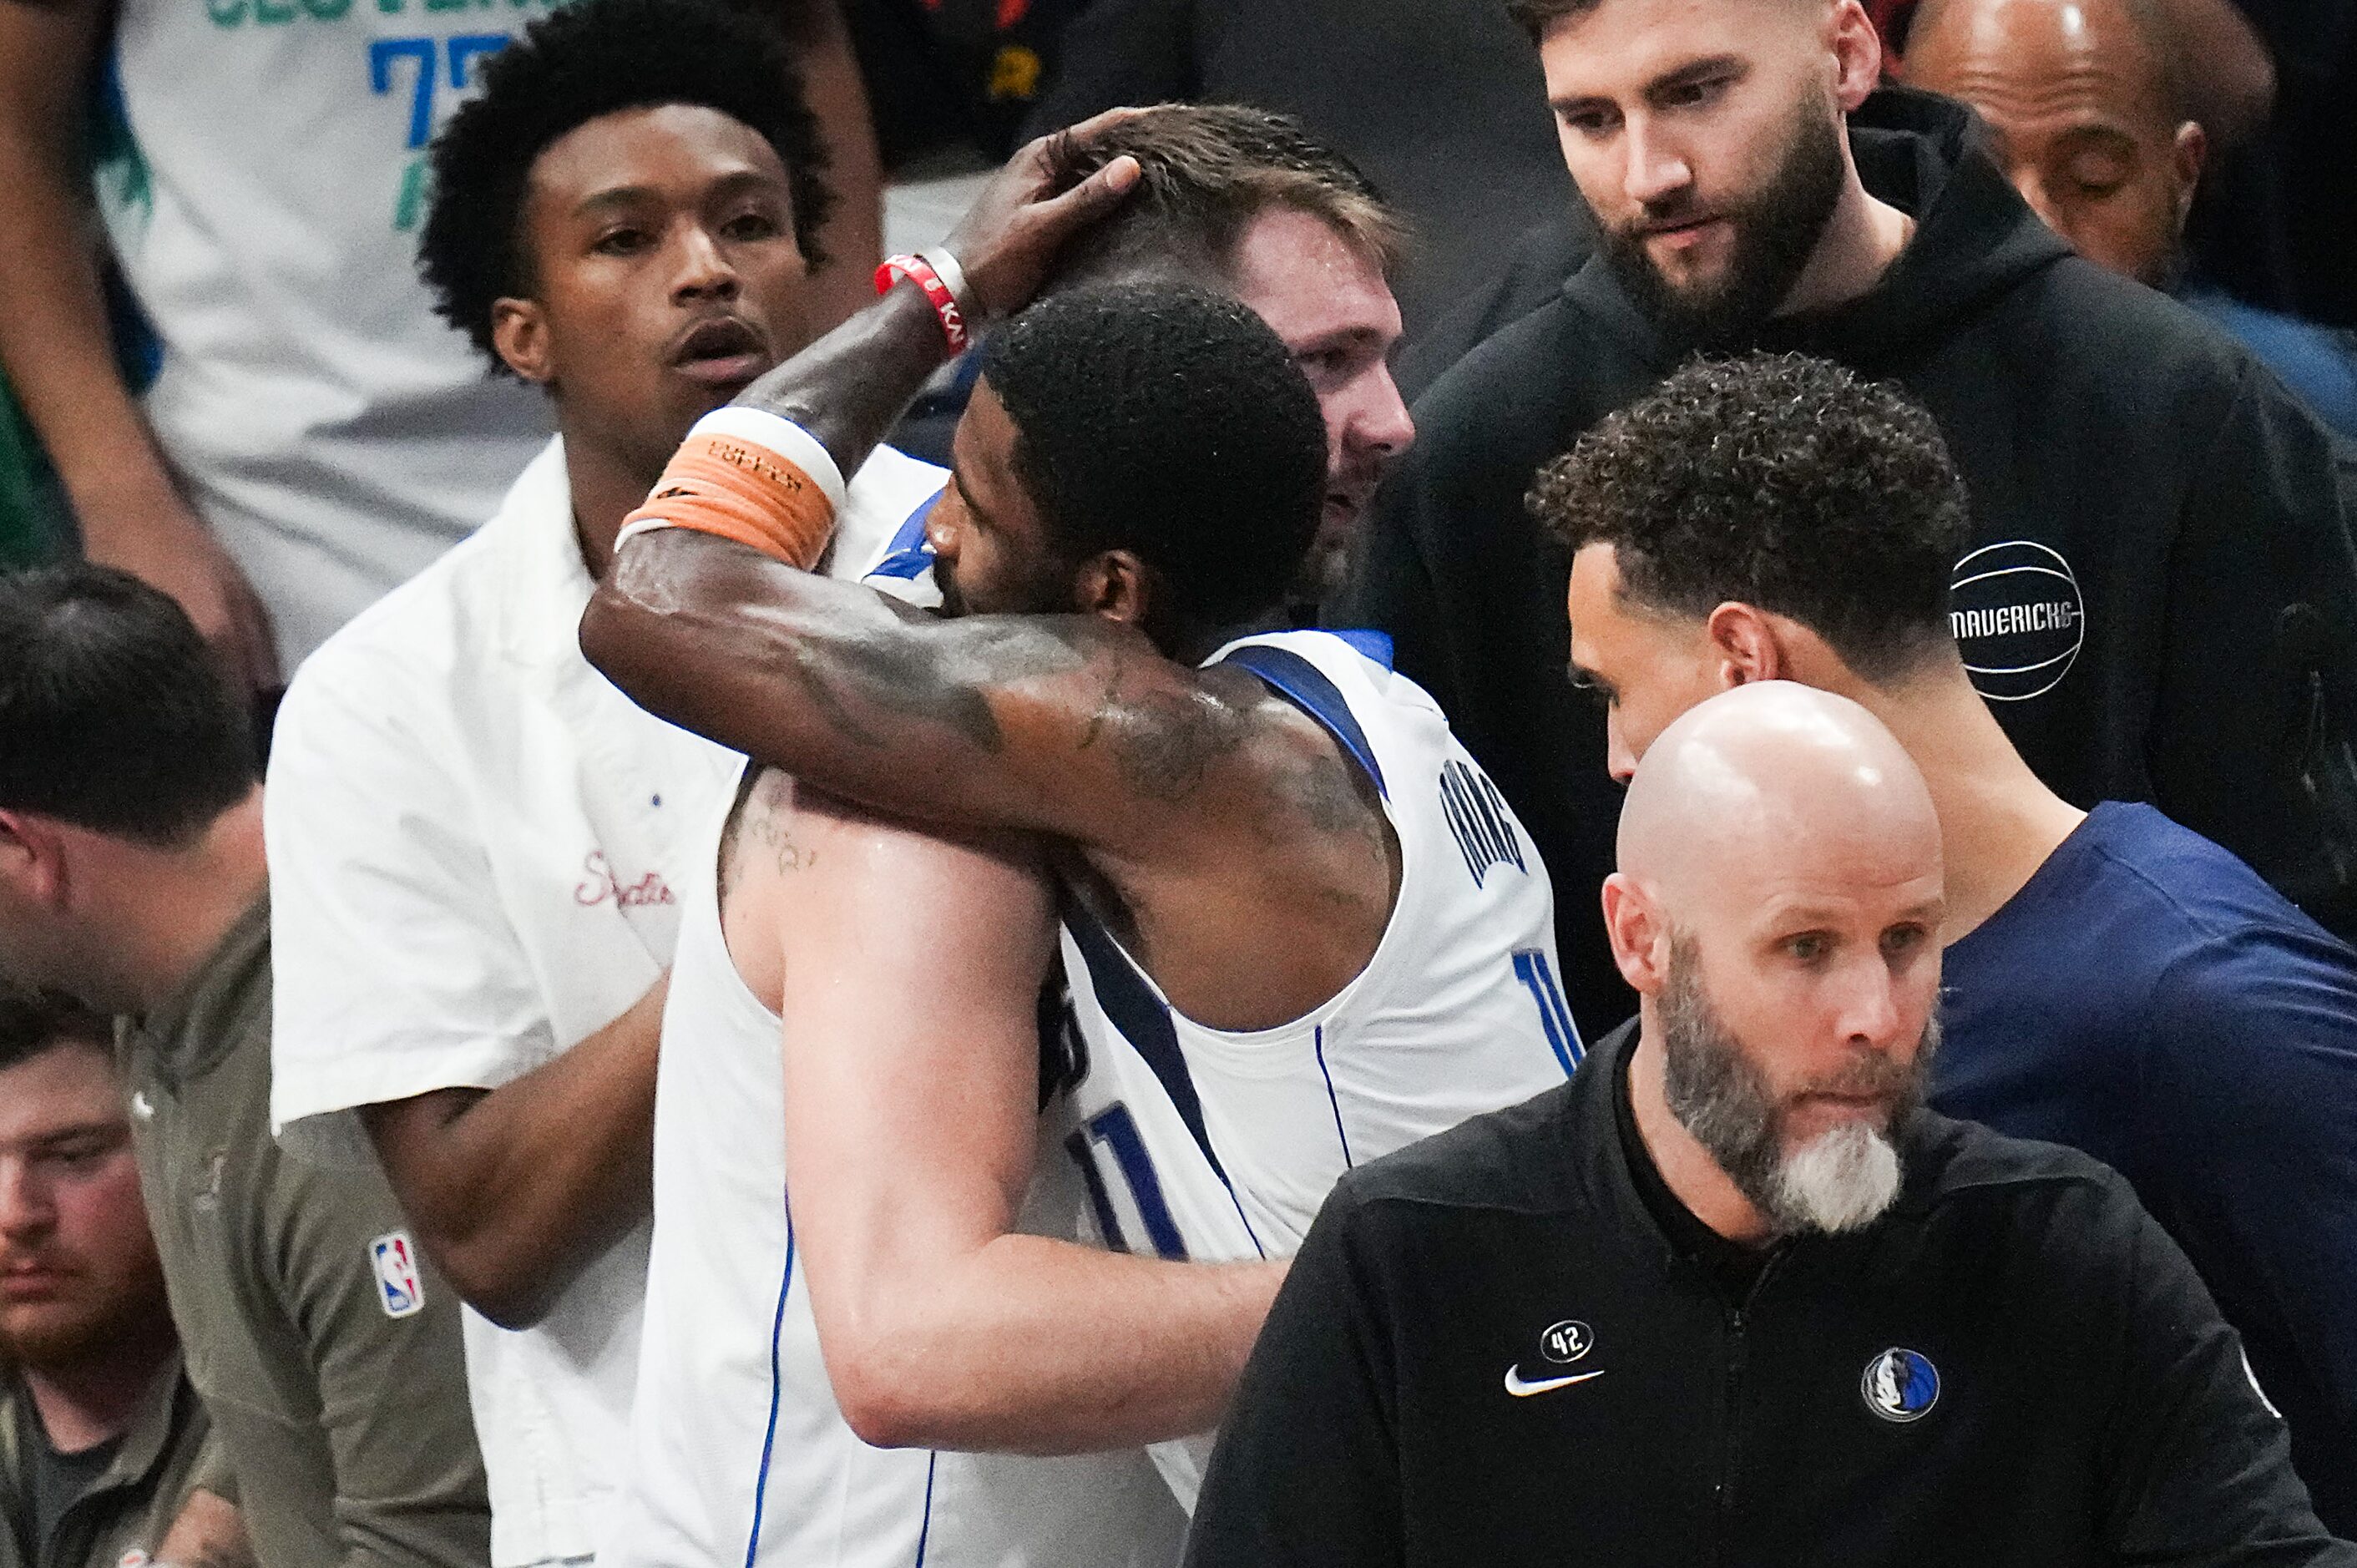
point(1531, 967)
point(1114, 1129)
point(382, 54)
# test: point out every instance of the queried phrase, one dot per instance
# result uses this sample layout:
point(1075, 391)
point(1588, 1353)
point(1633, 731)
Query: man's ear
point(1744, 642)
point(1640, 948)
point(1116, 584)
point(32, 857)
point(1858, 54)
point(2187, 154)
point(520, 332)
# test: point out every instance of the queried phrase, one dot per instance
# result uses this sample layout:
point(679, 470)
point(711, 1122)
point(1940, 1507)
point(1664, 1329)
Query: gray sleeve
point(390, 1371)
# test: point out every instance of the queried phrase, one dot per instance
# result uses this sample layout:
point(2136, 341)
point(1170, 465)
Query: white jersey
point(1200, 1143)
point(477, 847)
point(740, 1453)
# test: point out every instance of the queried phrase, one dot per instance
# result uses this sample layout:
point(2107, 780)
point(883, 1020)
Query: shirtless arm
point(910, 1127)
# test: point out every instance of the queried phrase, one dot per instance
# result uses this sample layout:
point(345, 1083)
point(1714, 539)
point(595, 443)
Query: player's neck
point(86, 1402)
point(1999, 822)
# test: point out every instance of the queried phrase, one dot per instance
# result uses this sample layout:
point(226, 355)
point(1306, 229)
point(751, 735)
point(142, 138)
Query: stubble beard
point(1776, 232)
point(1840, 1180)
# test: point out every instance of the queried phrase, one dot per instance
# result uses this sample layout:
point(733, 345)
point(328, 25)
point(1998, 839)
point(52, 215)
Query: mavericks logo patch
point(2018, 618)
point(1900, 1385)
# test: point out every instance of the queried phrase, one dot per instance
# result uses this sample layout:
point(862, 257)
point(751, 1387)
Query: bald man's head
point(2088, 111)
point(1766, 773)
point(1778, 908)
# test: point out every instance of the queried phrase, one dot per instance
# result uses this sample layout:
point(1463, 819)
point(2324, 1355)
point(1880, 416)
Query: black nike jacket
point(1488, 1353)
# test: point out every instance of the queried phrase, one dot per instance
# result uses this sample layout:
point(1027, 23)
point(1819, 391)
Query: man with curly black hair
point(2111, 980)
point(474, 840)
point(299, 434)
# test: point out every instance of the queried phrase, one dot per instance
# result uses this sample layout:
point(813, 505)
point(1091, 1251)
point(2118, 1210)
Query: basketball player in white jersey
point(1340, 938)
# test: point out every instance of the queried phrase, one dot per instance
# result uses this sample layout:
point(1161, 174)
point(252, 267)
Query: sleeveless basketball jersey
point(740, 1454)
point(1199, 1143)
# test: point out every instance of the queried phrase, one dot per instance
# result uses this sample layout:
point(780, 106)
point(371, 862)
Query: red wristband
point(919, 271)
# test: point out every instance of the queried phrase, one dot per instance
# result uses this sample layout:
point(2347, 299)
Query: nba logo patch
point(400, 1291)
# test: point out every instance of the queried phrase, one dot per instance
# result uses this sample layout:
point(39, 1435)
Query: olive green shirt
point(325, 1346)
point(123, 1514)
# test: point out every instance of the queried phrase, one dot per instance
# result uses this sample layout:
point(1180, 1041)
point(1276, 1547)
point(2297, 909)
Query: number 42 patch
point(401, 1290)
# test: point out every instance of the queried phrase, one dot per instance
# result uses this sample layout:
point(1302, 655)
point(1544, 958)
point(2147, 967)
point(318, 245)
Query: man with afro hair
point(307, 435)
point(474, 840)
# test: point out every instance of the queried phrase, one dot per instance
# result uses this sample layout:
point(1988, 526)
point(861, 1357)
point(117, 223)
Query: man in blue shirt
point(2113, 981)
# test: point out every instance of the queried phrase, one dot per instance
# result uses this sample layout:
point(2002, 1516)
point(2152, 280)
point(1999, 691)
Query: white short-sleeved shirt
point(475, 846)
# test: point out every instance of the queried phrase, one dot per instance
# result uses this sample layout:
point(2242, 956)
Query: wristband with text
point(748, 475)
point(937, 274)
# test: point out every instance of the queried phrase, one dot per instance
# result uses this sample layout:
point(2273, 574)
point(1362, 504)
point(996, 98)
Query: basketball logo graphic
point(1900, 1385)
point(2019, 617)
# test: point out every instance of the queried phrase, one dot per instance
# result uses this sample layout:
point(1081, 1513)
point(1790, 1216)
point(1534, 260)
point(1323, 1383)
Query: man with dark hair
point(1300, 928)
point(104, 1454)
point(2112, 981)
point(133, 880)
point(1250, 204)
point(2093, 118)
point(299, 433)
point(1731, 1295)
point(2160, 576)
point(475, 839)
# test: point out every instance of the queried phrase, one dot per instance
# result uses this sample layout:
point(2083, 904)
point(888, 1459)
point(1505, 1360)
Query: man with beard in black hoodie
point(2160, 597)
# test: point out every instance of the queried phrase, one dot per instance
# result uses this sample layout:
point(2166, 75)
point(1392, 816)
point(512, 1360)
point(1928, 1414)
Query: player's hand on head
point(168, 547)
point(1009, 238)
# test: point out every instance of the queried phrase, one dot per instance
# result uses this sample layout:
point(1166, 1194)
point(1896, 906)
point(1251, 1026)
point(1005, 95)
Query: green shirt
point(326, 1348)
point(122, 1514)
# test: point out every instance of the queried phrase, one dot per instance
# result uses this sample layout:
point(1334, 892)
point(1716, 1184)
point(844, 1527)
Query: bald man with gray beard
point(1731, 1280)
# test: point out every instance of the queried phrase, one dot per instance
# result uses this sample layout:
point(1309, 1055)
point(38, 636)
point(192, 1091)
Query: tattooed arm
point(1067, 725)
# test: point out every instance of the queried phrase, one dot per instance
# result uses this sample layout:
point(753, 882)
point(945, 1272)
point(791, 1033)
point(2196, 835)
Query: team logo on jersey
point(399, 1289)
point(1900, 1385)
point(2018, 618)
point(1478, 818)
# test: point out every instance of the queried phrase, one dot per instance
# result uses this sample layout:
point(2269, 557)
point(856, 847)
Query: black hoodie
point(2159, 601)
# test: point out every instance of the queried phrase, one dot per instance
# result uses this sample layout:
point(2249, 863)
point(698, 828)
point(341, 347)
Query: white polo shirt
point(474, 841)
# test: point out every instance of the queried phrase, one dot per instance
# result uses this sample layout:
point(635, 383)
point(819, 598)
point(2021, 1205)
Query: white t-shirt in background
point(476, 847)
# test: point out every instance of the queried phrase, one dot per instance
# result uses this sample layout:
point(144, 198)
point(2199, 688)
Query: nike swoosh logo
point(1521, 1390)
